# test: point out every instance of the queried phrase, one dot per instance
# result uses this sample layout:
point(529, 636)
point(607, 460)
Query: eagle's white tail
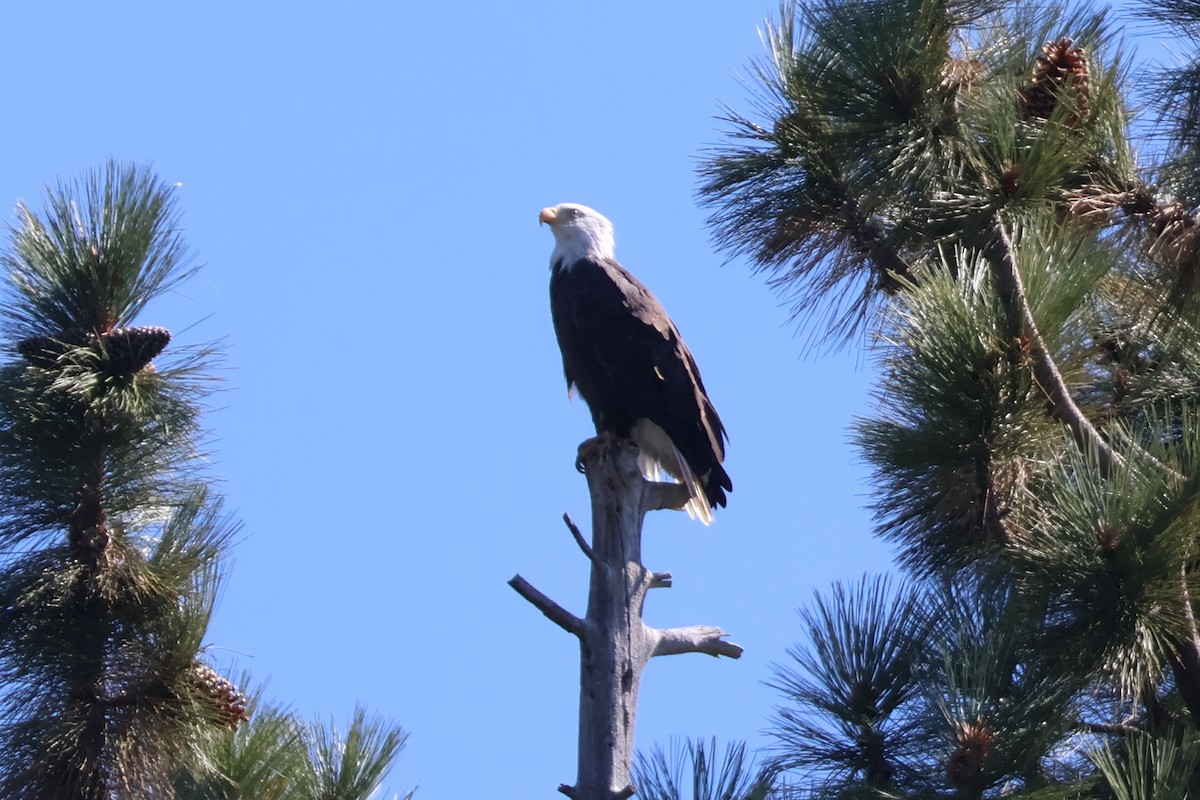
point(657, 455)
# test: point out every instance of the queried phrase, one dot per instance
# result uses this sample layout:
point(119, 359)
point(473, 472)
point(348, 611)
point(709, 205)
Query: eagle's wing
point(629, 362)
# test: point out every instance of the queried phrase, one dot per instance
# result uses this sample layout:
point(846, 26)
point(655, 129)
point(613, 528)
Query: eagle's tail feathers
point(671, 464)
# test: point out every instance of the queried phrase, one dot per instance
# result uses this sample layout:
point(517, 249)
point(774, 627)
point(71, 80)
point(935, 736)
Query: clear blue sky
point(361, 182)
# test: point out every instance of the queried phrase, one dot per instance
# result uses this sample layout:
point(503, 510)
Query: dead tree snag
point(614, 643)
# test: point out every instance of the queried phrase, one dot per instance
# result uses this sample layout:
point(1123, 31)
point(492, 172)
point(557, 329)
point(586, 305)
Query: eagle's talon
point(586, 449)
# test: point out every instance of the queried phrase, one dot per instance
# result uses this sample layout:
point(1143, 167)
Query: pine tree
point(112, 537)
point(956, 181)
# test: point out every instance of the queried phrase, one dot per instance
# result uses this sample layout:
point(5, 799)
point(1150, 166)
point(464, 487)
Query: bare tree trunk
point(614, 644)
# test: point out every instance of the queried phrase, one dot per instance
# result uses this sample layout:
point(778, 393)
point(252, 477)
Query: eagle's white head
point(579, 232)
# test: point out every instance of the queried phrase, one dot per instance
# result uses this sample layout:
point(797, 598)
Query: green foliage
point(261, 760)
point(694, 771)
point(1005, 704)
point(1145, 768)
point(956, 402)
point(349, 765)
point(853, 688)
point(1109, 555)
point(51, 422)
point(104, 248)
point(278, 756)
point(892, 128)
point(963, 181)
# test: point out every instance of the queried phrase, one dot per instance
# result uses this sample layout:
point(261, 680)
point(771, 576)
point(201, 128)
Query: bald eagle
point(625, 357)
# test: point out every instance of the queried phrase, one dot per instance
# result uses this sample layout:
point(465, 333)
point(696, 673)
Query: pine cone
point(959, 74)
point(974, 747)
point(1174, 235)
point(1109, 537)
point(1010, 179)
point(44, 351)
point(228, 703)
point(131, 349)
point(1062, 66)
point(127, 350)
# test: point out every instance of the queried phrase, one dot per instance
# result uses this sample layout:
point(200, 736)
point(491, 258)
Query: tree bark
point(614, 643)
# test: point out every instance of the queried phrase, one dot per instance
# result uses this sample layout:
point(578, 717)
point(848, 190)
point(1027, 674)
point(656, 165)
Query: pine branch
point(1011, 291)
point(1111, 729)
point(1186, 661)
point(1170, 228)
point(891, 269)
point(851, 689)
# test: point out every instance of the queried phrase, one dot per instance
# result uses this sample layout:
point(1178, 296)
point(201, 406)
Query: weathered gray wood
point(553, 611)
point(615, 644)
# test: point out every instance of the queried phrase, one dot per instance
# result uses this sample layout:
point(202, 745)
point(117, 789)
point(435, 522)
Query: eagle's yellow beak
point(548, 216)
